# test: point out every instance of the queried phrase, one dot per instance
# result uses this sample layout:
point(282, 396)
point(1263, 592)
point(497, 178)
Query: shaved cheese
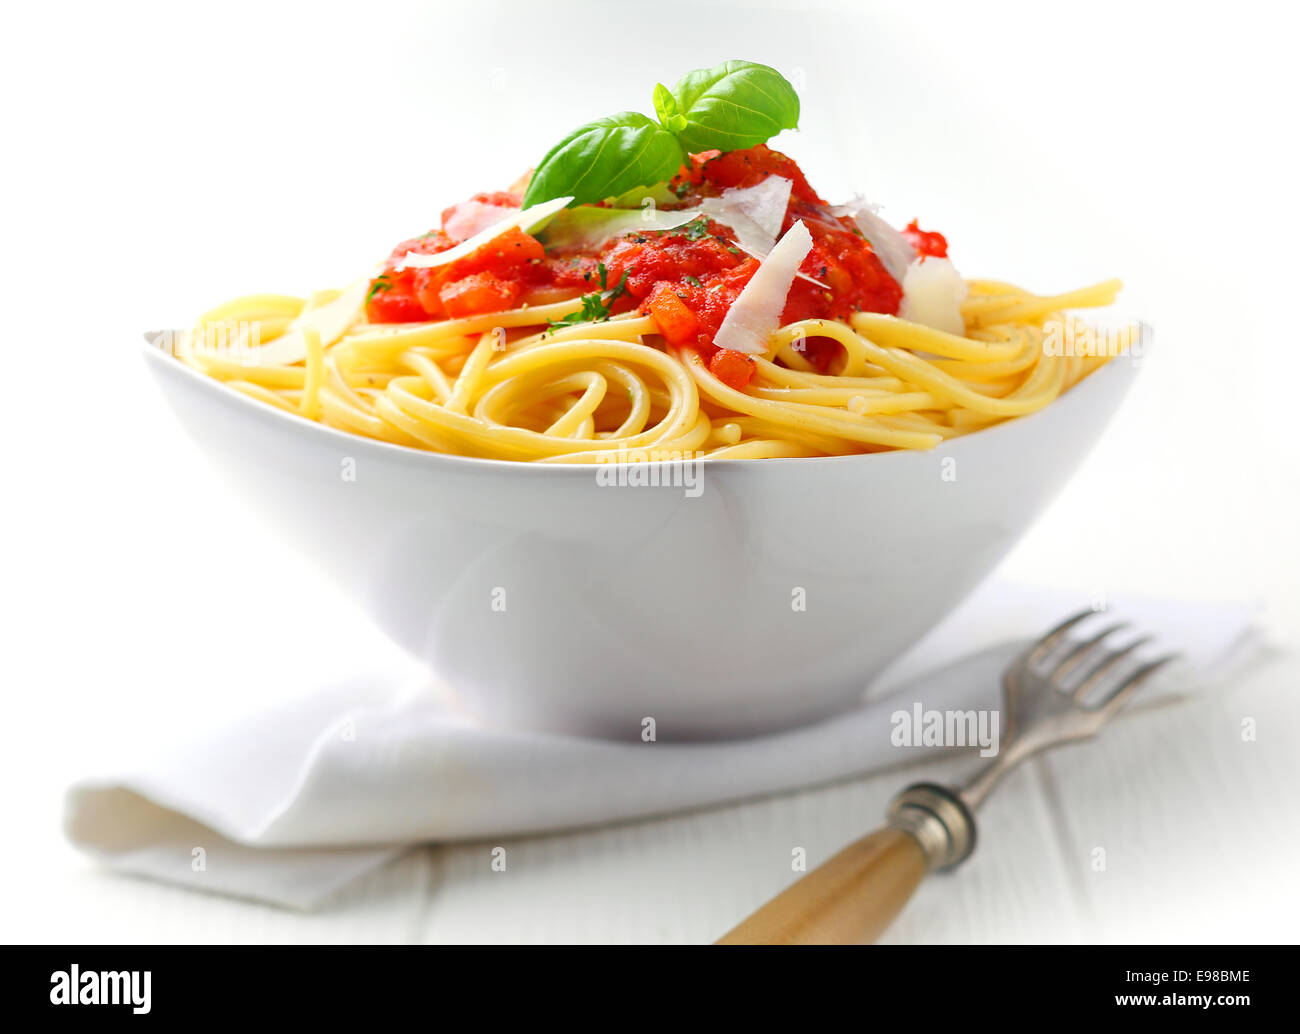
point(761, 253)
point(528, 219)
point(893, 249)
point(756, 312)
point(471, 217)
point(933, 291)
point(588, 228)
point(764, 203)
point(745, 233)
point(754, 214)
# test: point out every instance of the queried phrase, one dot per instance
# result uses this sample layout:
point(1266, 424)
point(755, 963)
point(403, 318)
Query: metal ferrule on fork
point(939, 820)
point(1048, 699)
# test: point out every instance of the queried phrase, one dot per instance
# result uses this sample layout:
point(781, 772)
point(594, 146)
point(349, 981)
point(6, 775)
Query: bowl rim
point(273, 414)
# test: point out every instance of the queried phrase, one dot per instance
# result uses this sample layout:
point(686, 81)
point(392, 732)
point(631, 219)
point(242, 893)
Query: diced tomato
point(477, 293)
point(429, 244)
point(503, 253)
point(926, 242)
point(649, 259)
point(749, 167)
point(676, 322)
point(393, 300)
point(685, 278)
point(502, 199)
point(469, 218)
point(494, 276)
point(428, 285)
point(692, 173)
point(843, 261)
point(733, 368)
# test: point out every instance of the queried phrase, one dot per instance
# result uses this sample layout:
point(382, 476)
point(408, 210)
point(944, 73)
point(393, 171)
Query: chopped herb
point(595, 306)
point(682, 189)
point(382, 283)
point(733, 250)
point(692, 281)
point(697, 228)
point(593, 310)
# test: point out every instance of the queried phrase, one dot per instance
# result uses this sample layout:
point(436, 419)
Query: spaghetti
point(731, 313)
point(501, 386)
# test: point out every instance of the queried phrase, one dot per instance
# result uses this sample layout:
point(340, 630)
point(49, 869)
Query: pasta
point(647, 294)
point(503, 386)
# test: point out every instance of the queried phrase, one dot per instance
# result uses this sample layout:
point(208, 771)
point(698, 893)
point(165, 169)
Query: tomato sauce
point(685, 278)
point(926, 242)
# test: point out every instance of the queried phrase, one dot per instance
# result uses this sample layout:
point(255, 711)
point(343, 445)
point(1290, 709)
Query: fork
point(1056, 691)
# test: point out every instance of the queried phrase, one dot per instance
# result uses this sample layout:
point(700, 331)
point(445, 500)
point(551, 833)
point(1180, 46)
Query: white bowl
point(552, 601)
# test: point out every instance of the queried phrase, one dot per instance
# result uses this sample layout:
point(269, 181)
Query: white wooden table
point(1199, 830)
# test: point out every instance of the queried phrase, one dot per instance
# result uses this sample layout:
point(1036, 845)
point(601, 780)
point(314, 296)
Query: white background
point(162, 157)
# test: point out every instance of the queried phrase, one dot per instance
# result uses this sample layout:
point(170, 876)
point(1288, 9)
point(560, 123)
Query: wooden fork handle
point(849, 899)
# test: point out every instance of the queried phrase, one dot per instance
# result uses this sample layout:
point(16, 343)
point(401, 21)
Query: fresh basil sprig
point(604, 158)
point(666, 110)
point(733, 105)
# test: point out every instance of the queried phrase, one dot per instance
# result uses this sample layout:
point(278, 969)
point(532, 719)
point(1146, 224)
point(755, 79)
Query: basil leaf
point(733, 105)
point(658, 194)
point(605, 158)
point(666, 109)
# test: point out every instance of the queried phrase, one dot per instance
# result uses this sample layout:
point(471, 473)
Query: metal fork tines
point(1063, 689)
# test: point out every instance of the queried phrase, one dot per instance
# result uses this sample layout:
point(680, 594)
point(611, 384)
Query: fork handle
point(854, 896)
point(849, 899)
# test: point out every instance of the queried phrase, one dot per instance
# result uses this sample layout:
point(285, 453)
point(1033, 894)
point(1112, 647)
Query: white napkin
point(292, 803)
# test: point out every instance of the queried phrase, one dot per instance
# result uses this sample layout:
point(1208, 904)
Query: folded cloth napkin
point(292, 803)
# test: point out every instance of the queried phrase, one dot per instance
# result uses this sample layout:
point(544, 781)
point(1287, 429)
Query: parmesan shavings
point(756, 312)
point(933, 291)
point(588, 228)
point(893, 249)
point(755, 213)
